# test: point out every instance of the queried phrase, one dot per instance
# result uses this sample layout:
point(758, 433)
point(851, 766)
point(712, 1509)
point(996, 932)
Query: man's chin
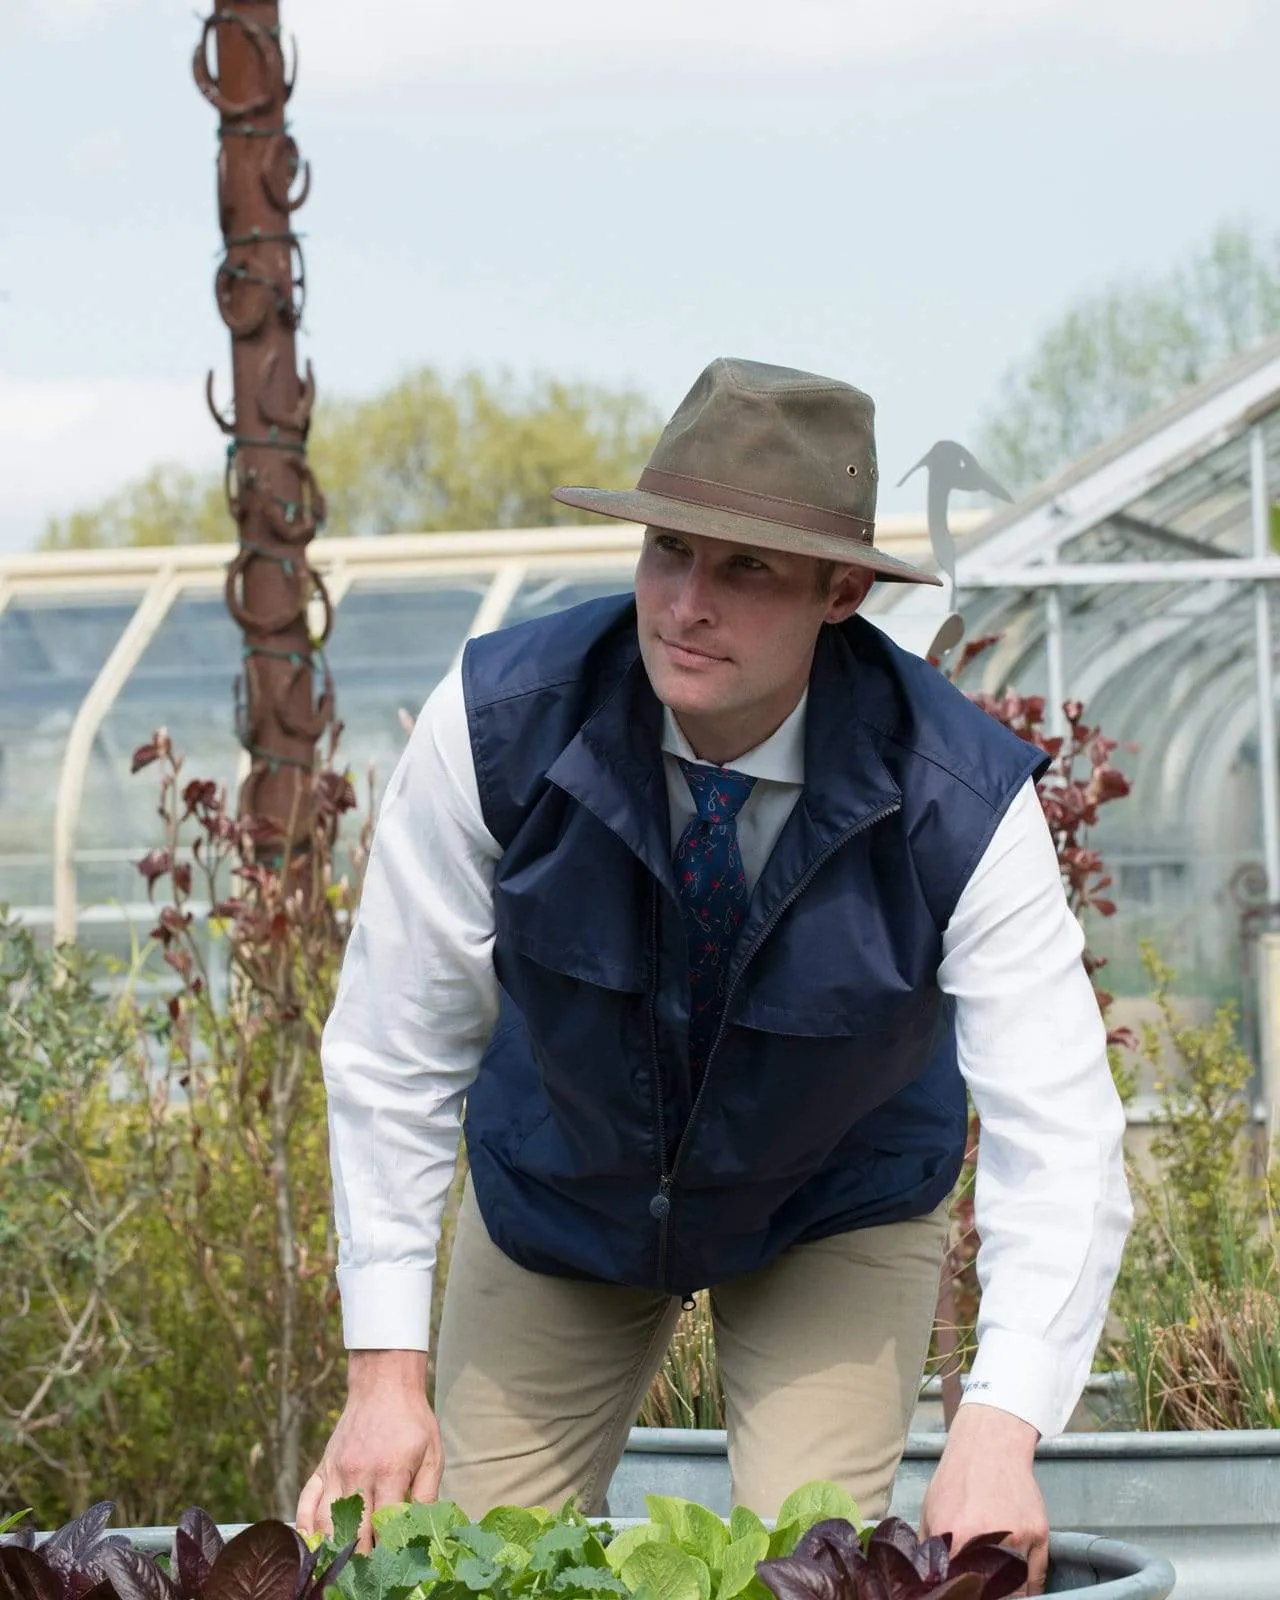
point(682, 700)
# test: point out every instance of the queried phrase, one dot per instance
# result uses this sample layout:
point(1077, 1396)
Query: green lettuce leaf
point(621, 1545)
point(743, 1521)
point(738, 1569)
point(346, 1515)
point(815, 1502)
point(668, 1571)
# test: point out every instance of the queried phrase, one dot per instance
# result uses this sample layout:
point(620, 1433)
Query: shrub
point(164, 1187)
point(70, 1196)
point(236, 1118)
point(1199, 1295)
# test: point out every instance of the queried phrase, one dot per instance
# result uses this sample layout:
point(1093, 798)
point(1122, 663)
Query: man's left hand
point(985, 1483)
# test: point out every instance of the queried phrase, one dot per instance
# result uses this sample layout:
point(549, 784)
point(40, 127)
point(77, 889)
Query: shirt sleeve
point(416, 1004)
point(1052, 1206)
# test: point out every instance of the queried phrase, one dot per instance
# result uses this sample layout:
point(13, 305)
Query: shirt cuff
point(385, 1308)
point(1023, 1376)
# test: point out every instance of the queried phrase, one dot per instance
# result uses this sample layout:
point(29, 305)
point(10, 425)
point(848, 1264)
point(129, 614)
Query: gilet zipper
point(660, 1205)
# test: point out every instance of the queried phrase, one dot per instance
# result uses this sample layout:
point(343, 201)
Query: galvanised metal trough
point(1208, 1502)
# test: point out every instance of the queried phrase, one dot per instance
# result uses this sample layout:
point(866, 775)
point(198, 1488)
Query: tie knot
point(719, 793)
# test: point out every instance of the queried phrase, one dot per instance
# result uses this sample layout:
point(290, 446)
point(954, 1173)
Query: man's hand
point(386, 1446)
point(985, 1483)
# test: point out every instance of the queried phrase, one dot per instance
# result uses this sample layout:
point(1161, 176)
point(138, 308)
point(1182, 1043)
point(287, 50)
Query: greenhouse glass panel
point(51, 650)
point(542, 593)
point(393, 640)
point(184, 682)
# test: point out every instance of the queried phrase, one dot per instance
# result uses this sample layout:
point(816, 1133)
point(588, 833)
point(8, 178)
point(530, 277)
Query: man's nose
point(695, 602)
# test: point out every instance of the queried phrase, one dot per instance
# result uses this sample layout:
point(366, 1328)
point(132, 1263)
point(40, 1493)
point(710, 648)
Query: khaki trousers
point(539, 1379)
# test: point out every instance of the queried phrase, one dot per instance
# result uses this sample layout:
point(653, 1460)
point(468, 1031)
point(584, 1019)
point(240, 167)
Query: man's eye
point(751, 564)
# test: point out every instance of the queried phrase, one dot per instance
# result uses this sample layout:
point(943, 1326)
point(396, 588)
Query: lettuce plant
point(833, 1561)
point(433, 1552)
point(268, 1561)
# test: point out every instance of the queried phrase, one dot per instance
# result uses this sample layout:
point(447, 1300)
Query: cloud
point(383, 42)
point(68, 442)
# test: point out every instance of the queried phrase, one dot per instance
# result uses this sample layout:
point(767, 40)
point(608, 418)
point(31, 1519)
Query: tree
point(426, 455)
point(170, 505)
point(1118, 354)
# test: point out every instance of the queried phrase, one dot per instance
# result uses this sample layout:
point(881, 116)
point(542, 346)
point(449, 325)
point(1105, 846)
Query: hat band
point(721, 497)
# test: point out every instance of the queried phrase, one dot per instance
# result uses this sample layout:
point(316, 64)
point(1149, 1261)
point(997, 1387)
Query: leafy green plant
point(683, 1551)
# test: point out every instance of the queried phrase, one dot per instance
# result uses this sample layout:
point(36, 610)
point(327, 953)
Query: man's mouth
point(690, 654)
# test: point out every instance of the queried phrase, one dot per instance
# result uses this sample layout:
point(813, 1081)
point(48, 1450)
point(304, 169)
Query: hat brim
point(682, 516)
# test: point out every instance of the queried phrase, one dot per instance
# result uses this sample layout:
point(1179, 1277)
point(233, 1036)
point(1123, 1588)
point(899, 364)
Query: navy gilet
point(832, 1099)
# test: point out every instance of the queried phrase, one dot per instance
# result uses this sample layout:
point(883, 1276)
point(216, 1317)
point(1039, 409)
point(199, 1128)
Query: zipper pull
point(660, 1205)
point(688, 1303)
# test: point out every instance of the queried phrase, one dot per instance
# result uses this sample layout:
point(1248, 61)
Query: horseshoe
point(218, 416)
point(285, 148)
point(210, 87)
point(309, 508)
point(225, 284)
point(300, 417)
point(274, 622)
point(308, 728)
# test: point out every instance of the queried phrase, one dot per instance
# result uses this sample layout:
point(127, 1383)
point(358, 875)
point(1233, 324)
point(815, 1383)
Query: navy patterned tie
point(713, 896)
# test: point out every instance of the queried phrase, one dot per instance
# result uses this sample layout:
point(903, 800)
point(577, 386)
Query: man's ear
point(849, 590)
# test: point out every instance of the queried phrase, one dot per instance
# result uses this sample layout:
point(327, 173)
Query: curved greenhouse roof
point(1138, 581)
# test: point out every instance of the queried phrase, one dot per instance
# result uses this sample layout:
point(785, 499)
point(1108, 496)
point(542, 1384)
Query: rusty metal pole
point(271, 492)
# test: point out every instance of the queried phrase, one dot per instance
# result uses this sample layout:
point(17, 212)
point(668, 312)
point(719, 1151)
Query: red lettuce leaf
point(321, 1581)
point(302, 1583)
point(794, 1578)
point(1002, 1571)
point(259, 1564)
point(964, 1586)
point(69, 1547)
point(25, 1576)
point(87, 1580)
point(836, 1546)
point(197, 1544)
point(134, 1575)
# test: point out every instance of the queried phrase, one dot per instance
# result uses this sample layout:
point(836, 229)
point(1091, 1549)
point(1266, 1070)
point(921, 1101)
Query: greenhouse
point(1137, 582)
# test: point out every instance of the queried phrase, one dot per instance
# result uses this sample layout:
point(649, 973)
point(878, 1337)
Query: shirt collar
point(780, 758)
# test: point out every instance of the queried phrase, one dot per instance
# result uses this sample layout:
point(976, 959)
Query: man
point(709, 903)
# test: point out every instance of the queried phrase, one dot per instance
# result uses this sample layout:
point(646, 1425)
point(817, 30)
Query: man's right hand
point(386, 1446)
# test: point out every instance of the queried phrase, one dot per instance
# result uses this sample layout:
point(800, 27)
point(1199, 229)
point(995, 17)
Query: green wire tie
point(287, 562)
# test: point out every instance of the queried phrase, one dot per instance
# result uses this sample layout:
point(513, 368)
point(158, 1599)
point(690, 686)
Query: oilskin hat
point(768, 456)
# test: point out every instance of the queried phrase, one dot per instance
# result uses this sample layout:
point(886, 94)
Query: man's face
point(727, 632)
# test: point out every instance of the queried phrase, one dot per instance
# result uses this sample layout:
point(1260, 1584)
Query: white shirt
point(418, 998)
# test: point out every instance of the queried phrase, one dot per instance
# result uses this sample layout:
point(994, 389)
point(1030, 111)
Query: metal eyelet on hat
point(851, 470)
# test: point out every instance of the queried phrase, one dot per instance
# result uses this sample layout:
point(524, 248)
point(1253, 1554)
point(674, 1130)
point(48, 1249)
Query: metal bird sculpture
point(950, 466)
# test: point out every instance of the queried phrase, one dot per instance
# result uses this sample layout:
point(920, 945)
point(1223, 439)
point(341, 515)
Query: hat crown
point(776, 432)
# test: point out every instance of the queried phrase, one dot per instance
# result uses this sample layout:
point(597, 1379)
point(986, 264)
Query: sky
point(902, 193)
